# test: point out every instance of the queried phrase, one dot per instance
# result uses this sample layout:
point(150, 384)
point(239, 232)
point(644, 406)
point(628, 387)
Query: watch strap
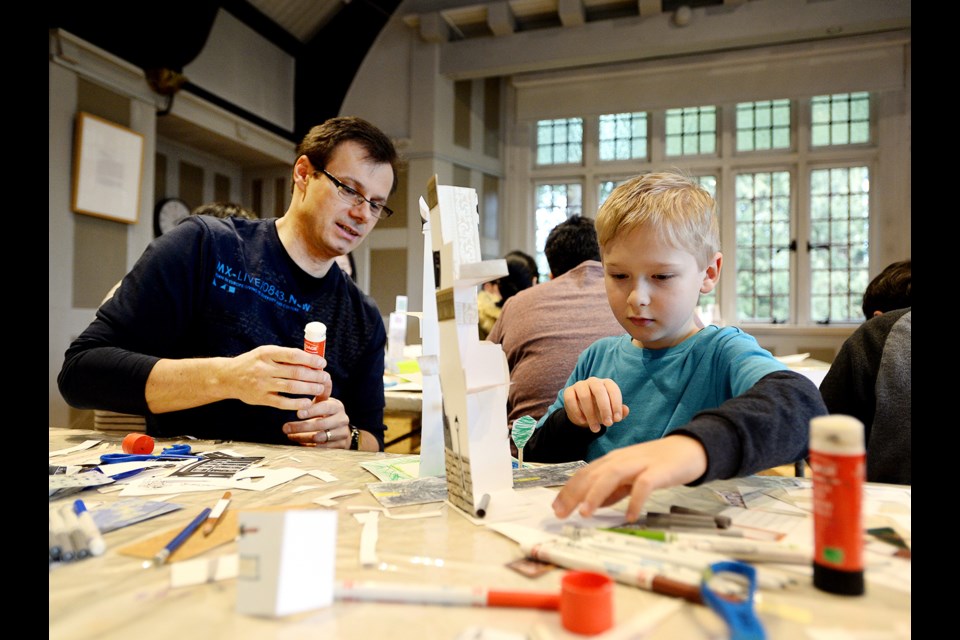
point(354, 439)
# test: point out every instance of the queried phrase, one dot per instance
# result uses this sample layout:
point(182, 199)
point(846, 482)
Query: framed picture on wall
point(107, 169)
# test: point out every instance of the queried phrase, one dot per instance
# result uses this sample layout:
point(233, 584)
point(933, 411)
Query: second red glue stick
point(837, 458)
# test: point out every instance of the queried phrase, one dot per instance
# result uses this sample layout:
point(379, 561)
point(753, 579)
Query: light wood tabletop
point(113, 596)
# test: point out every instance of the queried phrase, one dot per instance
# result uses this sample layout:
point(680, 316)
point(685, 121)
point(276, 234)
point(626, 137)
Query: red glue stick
point(838, 461)
point(315, 338)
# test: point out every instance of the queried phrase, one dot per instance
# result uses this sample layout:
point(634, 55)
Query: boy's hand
point(594, 402)
point(635, 471)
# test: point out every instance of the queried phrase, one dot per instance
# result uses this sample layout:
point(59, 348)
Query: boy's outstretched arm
point(633, 471)
point(764, 427)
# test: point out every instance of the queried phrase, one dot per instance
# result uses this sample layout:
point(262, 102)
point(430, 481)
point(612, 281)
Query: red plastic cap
point(138, 443)
point(586, 602)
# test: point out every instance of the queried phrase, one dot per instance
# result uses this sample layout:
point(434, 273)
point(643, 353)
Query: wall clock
point(167, 213)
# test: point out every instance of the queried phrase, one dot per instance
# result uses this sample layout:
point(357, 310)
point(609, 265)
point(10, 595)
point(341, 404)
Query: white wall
point(238, 65)
point(72, 59)
point(66, 321)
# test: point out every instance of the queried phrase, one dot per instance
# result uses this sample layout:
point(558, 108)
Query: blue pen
point(180, 538)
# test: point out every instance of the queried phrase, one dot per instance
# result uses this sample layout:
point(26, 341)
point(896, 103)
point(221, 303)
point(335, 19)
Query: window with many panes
point(791, 178)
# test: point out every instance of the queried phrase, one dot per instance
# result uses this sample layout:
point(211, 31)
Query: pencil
point(214, 519)
point(180, 538)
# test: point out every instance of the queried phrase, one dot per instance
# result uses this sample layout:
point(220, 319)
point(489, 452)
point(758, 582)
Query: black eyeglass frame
point(348, 194)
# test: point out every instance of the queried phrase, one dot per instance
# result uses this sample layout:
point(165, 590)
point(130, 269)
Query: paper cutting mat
point(226, 531)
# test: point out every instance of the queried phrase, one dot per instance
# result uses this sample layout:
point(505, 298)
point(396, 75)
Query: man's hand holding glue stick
point(325, 423)
point(315, 342)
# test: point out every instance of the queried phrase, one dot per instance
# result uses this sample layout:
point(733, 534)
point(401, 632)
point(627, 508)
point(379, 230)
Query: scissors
point(736, 609)
point(175, 452)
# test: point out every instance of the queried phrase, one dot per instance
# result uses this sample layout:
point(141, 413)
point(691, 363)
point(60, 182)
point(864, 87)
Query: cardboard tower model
point(474, 375)
point(432, 457)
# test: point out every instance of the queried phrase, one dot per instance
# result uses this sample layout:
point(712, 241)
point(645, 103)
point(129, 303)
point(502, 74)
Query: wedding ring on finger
point(327, 431)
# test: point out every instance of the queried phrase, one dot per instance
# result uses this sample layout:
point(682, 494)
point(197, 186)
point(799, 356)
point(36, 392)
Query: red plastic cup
point(586, 602)
point(138, 443)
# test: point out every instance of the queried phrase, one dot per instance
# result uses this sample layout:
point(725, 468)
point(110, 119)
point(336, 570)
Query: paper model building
point(431, 421)
point(474, 375)
point(274, 577)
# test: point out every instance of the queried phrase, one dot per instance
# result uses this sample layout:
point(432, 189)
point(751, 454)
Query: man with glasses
point(205, 335)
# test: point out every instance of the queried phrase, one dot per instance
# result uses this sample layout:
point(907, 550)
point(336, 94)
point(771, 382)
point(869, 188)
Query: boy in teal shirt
point(672, 402)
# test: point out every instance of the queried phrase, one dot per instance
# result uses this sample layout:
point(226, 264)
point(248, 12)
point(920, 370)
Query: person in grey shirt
point(544, 328)
point(870, 380)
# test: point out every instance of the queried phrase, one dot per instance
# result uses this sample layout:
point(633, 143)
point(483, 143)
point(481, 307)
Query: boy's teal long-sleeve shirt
point(719, 386)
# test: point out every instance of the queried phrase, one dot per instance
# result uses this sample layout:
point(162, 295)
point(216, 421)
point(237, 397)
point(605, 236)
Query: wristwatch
point(354, 439)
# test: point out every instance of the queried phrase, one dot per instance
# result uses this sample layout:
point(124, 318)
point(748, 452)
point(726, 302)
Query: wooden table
point(112, 597)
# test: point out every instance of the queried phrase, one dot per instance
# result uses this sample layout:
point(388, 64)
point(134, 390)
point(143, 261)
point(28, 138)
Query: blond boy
point(672, 402)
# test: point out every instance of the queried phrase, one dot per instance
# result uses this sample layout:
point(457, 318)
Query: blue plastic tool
point(175, 452)
point(736, 610)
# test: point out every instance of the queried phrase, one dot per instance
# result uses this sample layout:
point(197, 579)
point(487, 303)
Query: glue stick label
point(315, 338)
point(837, 505)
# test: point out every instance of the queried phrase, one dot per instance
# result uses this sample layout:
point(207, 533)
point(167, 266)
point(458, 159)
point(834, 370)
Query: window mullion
point(802, 269)
point(727, 289)
point(657, 135)
point(591, 153)
point(800, 232)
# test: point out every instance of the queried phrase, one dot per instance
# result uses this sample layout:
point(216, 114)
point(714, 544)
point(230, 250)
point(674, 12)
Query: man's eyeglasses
point(354, 197)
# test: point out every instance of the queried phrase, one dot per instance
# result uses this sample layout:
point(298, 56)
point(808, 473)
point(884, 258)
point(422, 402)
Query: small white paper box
point(286, 561)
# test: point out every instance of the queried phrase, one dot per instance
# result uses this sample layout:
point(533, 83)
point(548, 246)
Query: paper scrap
point(86, 444)
point(129, 511)
point(201, 570)
point(368, 537)
point(270, 478)
point(328, 499)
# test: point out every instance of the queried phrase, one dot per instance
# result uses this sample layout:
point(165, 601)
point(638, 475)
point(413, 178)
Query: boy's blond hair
point(682, 213)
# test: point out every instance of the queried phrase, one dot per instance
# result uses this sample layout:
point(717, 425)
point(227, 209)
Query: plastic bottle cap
point(138, 443)
point(315, 331)
point(586, 602)
point(837, 434)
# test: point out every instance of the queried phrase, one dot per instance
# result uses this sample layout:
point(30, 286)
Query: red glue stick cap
point(586, 602)
point(138, 443)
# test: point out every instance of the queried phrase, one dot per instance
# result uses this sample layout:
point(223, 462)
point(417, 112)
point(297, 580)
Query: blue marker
point(95, 541)
point(64, 546)
point(75, 533)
